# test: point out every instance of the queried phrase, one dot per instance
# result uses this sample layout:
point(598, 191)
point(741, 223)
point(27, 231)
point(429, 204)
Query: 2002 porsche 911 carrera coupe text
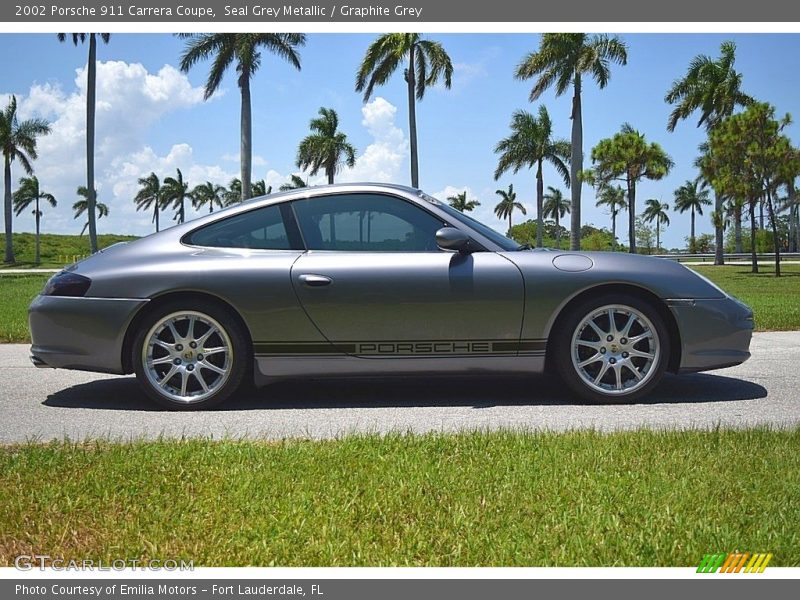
point(375, 279)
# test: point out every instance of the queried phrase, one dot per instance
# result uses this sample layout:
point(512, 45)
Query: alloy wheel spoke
point(634, 370)
point(618, 375)
point(190, 331)
point(627, 329)
point(201, 340)
point(184, 381)
point(601, 374)
point(216, 350)
point(600, 333)
point(639, 354)
point(163, 344)
point(168, 376)
point(591, 360)
point(200, 379)
point(211, 367)
point(612, 324)
point(642, 336)
point(174, 331)
point(161, 361)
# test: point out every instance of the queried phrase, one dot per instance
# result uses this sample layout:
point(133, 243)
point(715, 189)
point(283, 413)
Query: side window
point(367, 223)
point(260, 229)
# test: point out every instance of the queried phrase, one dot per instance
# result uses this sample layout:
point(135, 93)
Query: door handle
point(315, 280)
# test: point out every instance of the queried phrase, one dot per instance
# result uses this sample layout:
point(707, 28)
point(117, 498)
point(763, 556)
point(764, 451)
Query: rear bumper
point(715, 333)
point(80, 333)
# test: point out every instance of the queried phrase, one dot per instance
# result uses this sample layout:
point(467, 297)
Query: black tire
point(235, 362)
point(576, 379)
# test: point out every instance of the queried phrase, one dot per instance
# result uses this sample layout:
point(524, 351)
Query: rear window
point(260, 229)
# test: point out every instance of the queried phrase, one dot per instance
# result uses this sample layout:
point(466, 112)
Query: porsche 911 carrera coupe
point(368, 279)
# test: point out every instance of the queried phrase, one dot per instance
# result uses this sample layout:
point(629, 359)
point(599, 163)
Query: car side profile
point(355, 279)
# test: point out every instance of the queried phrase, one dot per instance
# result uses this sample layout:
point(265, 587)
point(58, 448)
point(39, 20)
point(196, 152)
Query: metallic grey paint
point(409, 299)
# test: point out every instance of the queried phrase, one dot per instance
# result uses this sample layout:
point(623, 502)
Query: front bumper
point(715, 333)
point(80, 333)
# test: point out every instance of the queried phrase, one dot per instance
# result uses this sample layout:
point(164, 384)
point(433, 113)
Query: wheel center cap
point(614, 348)
point(188, 355)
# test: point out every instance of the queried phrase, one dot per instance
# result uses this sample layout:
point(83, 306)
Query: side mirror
point(450, 238)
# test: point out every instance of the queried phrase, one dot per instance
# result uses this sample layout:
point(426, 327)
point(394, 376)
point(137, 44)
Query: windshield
point(486, 231)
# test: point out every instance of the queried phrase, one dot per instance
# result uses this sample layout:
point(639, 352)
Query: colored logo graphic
point(734, 562)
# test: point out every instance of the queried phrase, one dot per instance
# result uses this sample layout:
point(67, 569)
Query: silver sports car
point(348, 280)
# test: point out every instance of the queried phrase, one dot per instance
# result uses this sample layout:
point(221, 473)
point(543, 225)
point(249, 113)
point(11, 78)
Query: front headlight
point(66, 284)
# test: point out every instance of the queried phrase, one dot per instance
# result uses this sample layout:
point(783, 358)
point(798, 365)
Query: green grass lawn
point(776, 302)
point(56, 250)
point(505, 498)
point(16, 293)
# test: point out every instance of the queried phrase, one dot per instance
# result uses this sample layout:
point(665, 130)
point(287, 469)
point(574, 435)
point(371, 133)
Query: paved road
point(42, 404)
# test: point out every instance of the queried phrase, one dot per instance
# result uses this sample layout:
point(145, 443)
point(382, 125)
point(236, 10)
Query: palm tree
point(150, 195)
point(175, 191)
point(326, 148)
point(655, 210)
point(693, 197)
point(734, 209)
point(233, 193)
point(713, 87)
point(556, 206)
point(507, 204)
point(243, 49)
point(260, 188)
point(460, 202)
point(295, 183)
point(82, 206)
point(91, 91)
point(207, 193)
point(427, 62)
point(612, 197)
point(29, 192)
point(563, 59)
point(529, 145)
point(18, 141)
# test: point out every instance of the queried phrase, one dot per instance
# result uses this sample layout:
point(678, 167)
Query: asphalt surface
point(45, 404)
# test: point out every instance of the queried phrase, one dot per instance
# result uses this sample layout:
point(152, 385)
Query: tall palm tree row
point(82, 206)
point(29, 193)
point(243, 51)
point(91, 92)
point(562, 61)
point(556, 206)
point(326, 147)
point(426, 63)
point(461, 203)
point(18, 141)
point(150, 195)
point(693, 197)
point(508, 204)
point(613, 198)
point(175, 191)
point(655, 210)
point(711, 87)
point(530, 144)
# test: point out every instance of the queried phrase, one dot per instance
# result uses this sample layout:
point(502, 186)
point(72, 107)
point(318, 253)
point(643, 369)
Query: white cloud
point(257, 160)
point(130, 101)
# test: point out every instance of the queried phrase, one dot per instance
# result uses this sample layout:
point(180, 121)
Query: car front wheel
point(613, 348)
point(190, 358)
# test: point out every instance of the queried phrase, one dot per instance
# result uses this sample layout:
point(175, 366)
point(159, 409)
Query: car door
point(375, 283)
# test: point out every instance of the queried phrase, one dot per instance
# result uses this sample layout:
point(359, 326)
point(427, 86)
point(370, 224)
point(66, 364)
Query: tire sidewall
point(238, 339)
point(563, 348)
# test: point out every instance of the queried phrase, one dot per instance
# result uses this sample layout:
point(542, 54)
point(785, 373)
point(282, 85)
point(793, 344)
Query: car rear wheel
point(612, 349)
point(190, 358)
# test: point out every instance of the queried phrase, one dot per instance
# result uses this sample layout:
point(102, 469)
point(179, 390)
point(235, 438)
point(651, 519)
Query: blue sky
point(151, 117)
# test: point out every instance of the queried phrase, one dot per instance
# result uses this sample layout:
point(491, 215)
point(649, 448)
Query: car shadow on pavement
point(123, 393)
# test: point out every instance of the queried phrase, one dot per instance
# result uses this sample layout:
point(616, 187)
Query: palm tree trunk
point(692, 240)
point(8, 213)
point(330, 173)
point(658, 236)
point(575, 167)
point(412, 120)
point(156, 214)
point(246, 142)
point(91, 90)
point(37, 256)
point(774, 227)
point(613, 230)
point(558, 231)
point(737, 228)
point(753, 256)
point(719, 241)
point(509, 220)
point(631, 217)
point(539, 204)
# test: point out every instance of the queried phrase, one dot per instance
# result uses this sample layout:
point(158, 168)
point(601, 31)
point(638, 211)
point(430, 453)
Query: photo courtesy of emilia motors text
point(388, 299)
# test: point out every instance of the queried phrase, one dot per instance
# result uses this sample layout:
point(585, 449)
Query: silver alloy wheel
point(615, 349)
point(187, 356)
